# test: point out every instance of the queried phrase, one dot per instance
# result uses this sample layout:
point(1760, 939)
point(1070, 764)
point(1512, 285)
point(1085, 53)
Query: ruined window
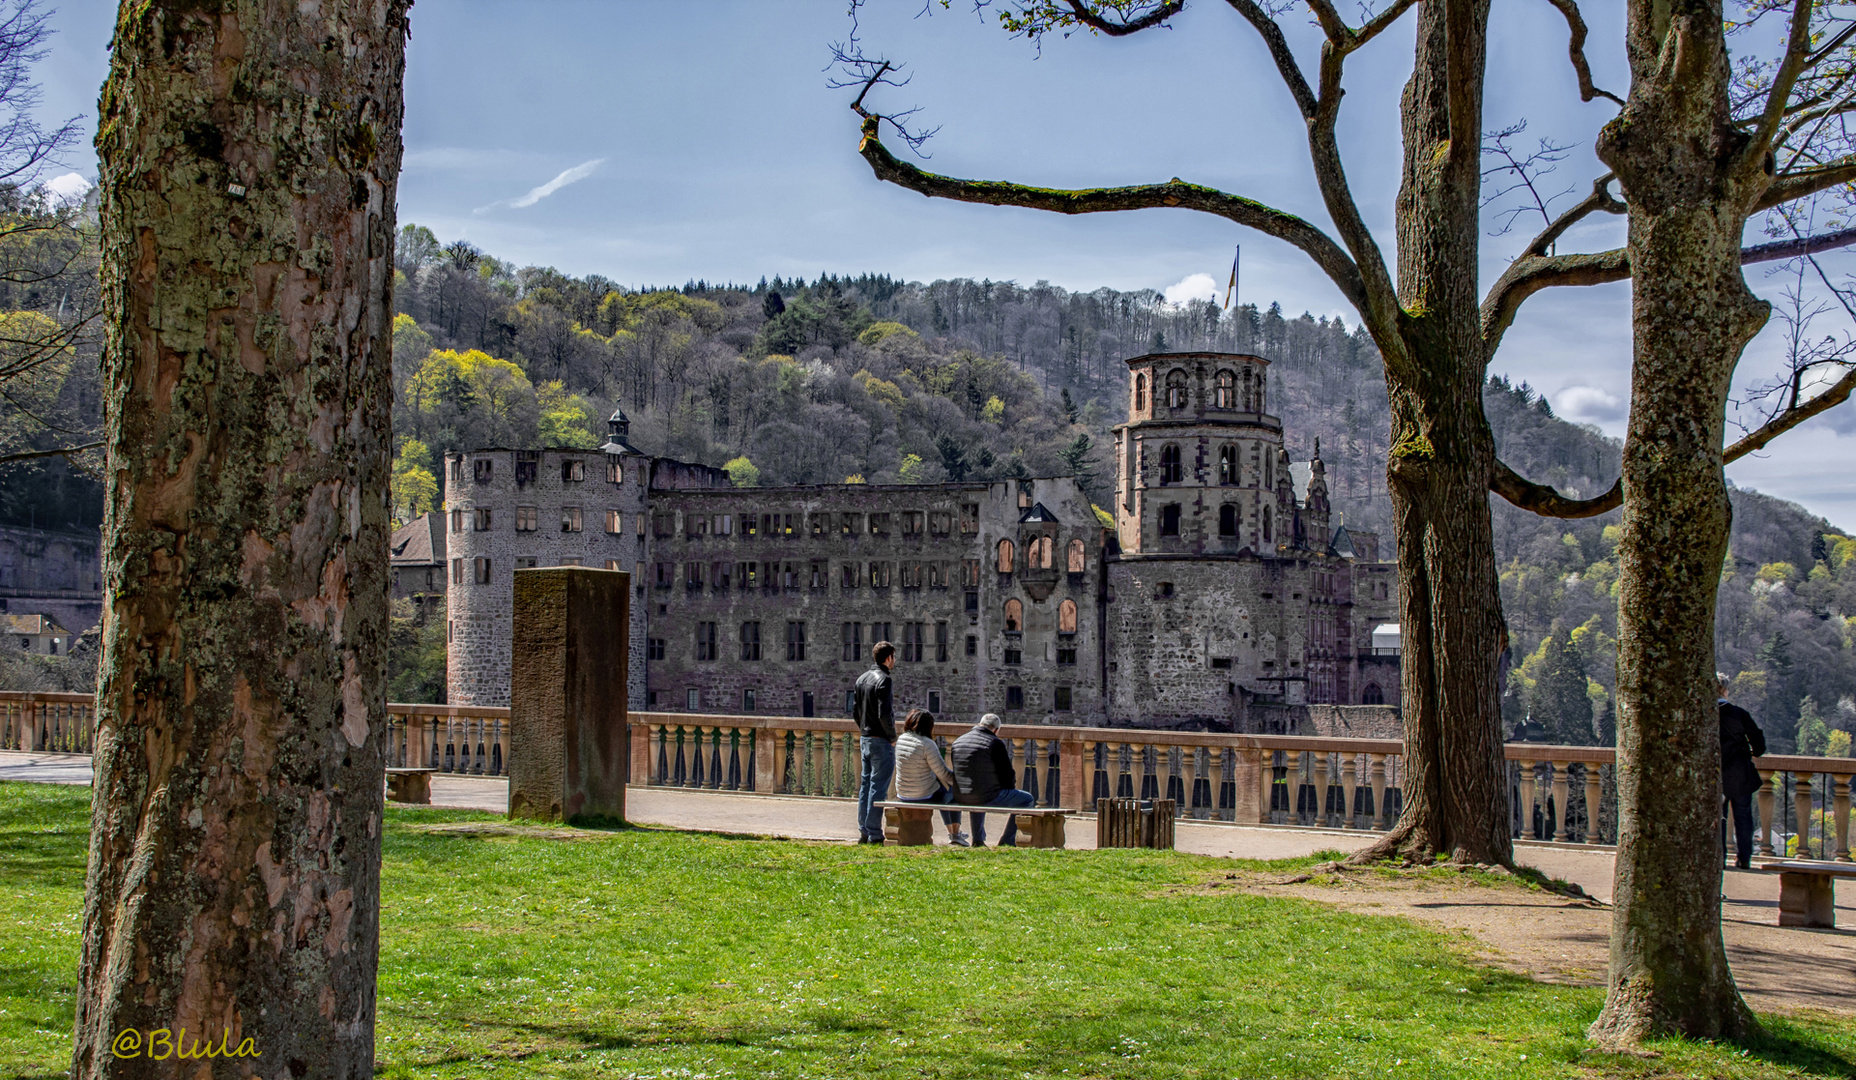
point(1066, 617)
point(789, 576)
point(911, 523)
point(1176, 389)
point(785, 523)
point(665, 572)
point(818, 522)
point(573, 471)
point(1140, 393)
point(570, 519)
point(484, 469)
point(937, 575)
point(615, 470)
point(940, 650)
point(483, 570)
point(1006, 555)
point(692, 575)
point(879, 575)
point(692, 699)
point(972, 573)
point(1014, 698)
point(724, 525)
point(853, 642)
point(457, 571)
point(1227, 464)
point(528, 464)
point(934, 701)
point(1013, 654)
point(747, 701)
point(615, 522)
point(1038, 554)
point(1221, 663)
point(528, 518)
point(969, 518)
point(1014, 616)
point(571, 560)
point(1372, 695)
point(720, 574)
point(748, 526)
point(849, 575)
point(1258, 404)
point(705, 641)
point(879, 524)
point(1227, 520)
point(820, 574)
point(457, 521)
point(795, 640)
point(527, 562)
point(1024, 494)
point(973, 645)
point(1060, 699)
point(1164, 591)
point(457, 469)
point(654, 648)
point(911, 575)
point(940, 523)
point(1066, 652)
point(879, 631)
point(612, 564)
point(973, 602)
point(1171, 472)
point(750, 641)
point(848, 523)
point(1224, 391)
point(1078, 557)
point(1169, 519)
point(912, 643)
point(663, 525)
point(1266, 524)
point(695, 526)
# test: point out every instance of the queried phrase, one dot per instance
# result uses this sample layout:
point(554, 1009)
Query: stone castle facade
point(1220, 597)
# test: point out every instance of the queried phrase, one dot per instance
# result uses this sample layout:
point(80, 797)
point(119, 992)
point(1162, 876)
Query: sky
point(660, 143)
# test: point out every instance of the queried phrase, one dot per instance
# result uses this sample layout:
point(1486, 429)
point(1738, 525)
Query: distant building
point(37, 634)
point(417, 554)
point(55, 574)
point(1221, 597)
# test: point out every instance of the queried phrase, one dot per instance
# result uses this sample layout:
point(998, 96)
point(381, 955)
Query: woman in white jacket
point(921, 773)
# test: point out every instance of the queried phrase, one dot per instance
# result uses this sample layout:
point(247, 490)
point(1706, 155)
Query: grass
point(640, 953)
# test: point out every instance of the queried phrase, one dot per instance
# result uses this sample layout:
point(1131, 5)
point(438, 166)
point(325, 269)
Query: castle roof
point(1037, 515)
point(32, 624)
point(419, 542)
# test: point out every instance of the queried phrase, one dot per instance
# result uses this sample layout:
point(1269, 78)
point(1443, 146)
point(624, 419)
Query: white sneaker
point(959, 839)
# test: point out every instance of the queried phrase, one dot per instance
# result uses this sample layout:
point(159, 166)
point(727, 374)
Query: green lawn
point(641, 953)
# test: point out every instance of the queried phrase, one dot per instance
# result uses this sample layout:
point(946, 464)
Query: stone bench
point(912, 823)
point(410, 785)
point(1806, 890)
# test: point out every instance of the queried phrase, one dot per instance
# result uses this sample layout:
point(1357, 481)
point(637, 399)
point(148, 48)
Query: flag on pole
point(1230, 291)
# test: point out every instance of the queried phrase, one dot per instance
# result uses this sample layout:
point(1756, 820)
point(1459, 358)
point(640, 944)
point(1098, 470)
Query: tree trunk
point(250, 152)
point(1455, 784)
point(1678, 157)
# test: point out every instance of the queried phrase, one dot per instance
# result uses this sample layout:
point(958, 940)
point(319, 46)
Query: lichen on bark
point(250, 156)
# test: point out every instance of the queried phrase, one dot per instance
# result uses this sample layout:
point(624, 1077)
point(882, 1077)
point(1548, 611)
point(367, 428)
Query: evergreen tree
point(1559, 701)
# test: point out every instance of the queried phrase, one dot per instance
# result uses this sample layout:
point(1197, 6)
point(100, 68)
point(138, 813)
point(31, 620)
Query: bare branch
point(1175, 193)
point(1527, 170)
point(1789, 186)
point(1531, 273)
point(1576, 49)
point(1082, 13)
point(1548, 502)
point(8, 459)
point(1797, 51)
point(1600, 199)
point(1796, 246)
point(1833, 395)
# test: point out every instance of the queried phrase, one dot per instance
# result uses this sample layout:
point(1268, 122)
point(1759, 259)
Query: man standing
point(1741, 742)
point(983, 767)
point(877, 723)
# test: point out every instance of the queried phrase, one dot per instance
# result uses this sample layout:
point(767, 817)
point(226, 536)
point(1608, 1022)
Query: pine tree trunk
point(250, 152)
point(1691, 313)
point(1455, 783)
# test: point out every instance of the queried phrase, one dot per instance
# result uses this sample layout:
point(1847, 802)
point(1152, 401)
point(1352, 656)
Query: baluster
point(1200, 807)
point(1801, 807)
point(1768, 779)
point(1377, 763)
point(1594, 800)
point(659, 750)
point(1840, 814)
point(817, 757)
point(1321, 788)
point(1023, 765)
point(1562, 831)
point(1350, 780)
point(735, 738)
point(679, 766)
point(1527, 800)
point(712, 741)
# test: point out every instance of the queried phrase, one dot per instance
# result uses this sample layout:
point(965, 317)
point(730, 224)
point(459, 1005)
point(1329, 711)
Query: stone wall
point(58, 575)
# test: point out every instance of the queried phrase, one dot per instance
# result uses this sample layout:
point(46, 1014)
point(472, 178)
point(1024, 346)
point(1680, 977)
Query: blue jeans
point(879, 758)
point(1012, 797)
point(941, 795)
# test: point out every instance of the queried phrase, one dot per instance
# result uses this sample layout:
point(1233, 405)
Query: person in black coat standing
point(876, 723)
point(1741, 742)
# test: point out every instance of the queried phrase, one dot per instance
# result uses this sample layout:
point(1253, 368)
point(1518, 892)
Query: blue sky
point(656, 143)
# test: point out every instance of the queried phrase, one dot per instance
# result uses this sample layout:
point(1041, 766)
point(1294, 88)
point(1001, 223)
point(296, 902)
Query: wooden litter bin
point(1135, 823)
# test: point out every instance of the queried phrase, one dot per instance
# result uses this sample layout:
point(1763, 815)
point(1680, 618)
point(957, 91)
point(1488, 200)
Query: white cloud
point(568, 176)
point(1191, 287)
point(1589, 404)
point(68, 188)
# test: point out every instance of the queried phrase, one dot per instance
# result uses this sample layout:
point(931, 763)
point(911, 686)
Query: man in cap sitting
point(982, 766)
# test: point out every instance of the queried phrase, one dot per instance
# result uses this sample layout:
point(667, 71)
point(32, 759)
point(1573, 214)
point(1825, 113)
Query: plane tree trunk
point(250, 152)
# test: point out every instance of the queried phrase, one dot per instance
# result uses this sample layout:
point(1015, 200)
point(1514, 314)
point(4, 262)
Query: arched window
point(1170, 470)
point(1014, 616)
point(1176, 389)
point(1224, 391)
point(1077, 557)
point(1227, 464)
point(1005, 556)
point(1140, 393)
point(1259, 404)
point(1227, 519)
point(1066, 617)
point(1250, 401)
point(1039, 553)
point(1372, 695)
point(1266, 524)
point(1169, 519)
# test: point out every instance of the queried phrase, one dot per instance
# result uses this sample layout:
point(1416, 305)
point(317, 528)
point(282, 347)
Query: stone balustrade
point(1562, 794)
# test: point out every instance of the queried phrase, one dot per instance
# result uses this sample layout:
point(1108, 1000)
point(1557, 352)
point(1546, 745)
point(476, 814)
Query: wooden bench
point(410, 785)
point(912, 823)
point(1806, 890)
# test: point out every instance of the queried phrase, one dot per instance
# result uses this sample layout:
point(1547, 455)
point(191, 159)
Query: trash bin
point(1135, 823)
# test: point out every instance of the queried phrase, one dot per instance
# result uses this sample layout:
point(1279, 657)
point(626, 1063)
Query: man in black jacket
point(876, 720)
point(983, 770)
point(1741, 742)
